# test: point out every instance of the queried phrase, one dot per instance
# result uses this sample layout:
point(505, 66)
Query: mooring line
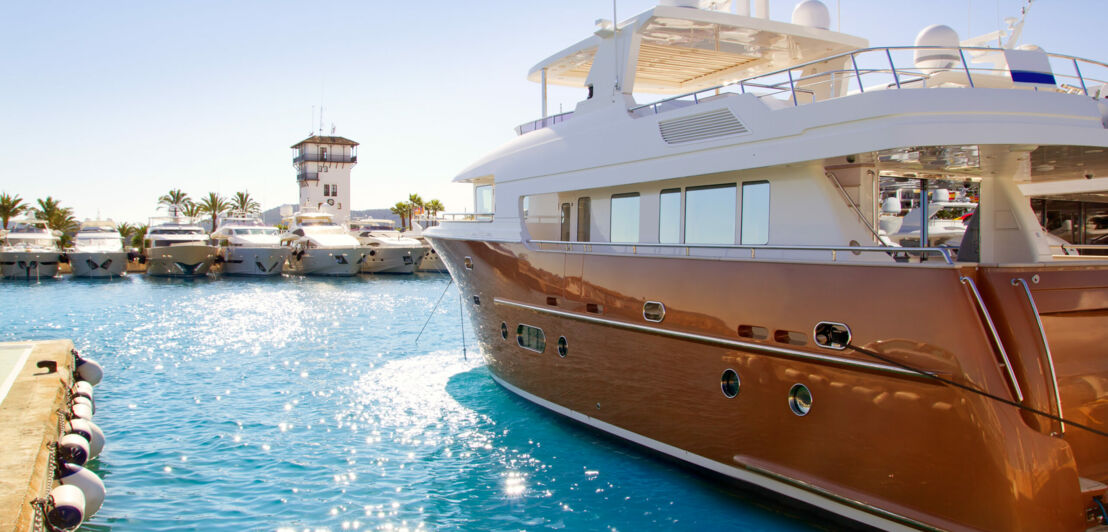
point(433, 309)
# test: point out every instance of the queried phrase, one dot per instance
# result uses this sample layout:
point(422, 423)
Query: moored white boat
point(176, 247)
point(249, 247)
point(386, 249)
point(704, 276)
point(29, 250)
point(97, 250)
point(319, 246)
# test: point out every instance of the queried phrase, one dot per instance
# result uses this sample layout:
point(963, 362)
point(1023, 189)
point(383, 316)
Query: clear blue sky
point(106, 106)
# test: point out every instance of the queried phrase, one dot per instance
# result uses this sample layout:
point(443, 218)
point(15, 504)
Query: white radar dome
point(812, 13)
point(937, 58)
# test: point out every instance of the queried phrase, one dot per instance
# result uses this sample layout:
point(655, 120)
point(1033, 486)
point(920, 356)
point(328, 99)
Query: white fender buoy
point(88, 482)
point(89, 370)
point(90, 432)
point(67, 507)
point(82, 411)
point(74, 448)
point(85, 401)
point(82, 389)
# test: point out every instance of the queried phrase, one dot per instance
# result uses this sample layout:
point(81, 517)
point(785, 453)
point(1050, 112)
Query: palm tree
point(125, 230)
point(58, 218)
point(174, 200)
point(402, 210)
point(11, 206)
point(190, 209)
point(242, 202)
point(434, 207)
point(414, 203)
point(214, 205)
point(138, 238)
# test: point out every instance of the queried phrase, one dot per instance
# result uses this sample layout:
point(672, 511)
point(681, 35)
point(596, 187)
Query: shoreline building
point(323, 165)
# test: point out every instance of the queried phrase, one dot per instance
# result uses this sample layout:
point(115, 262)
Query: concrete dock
point(30, 398)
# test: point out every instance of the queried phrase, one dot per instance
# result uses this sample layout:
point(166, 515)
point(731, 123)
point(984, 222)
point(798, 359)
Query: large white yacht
point(177, 247)
point(29, 250)
point(249, 247)
point(319, 246)
point(703, 274)
point(386, 249)
point(97, 250)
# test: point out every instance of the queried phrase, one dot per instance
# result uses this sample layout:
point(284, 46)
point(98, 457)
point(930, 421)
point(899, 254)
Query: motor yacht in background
point(431, 262)
point(177, 247)
point(98, 250)
point(249, 247)
point(703, 274)
point(319, 246)
point(387, 250)
point(29, 250)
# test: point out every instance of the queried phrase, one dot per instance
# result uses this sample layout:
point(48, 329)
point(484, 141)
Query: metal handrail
point(753, 248)
point(307, 176)
point(483, 217)
point(1046, 349)
point(887, 50)
point(996, 337)
point(329, 158)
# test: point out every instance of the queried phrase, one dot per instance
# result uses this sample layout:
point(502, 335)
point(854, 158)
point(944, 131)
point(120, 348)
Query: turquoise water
point(301, 403)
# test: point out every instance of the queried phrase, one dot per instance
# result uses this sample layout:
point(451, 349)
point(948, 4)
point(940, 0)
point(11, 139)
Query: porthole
point(476, 300)
point(800, 399)
point(469, 263)
point(504, 330)
point(653, 311)
point(563, 346)
point(831, 335)
point(529, 337)
point(372, 252)
point(729, 382)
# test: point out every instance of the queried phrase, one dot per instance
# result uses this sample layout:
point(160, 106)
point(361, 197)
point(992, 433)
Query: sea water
point(306, 403)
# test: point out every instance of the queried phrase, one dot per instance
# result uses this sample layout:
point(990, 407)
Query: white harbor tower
point(323, 167)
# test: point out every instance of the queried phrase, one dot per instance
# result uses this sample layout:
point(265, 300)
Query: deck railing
point(637, 248)
point(885, 68)
point(465, 217)
point(325, 158)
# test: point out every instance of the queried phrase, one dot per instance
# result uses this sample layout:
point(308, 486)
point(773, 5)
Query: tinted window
point(584, 218)
point(625, 218)
point(755, 223)
point(532, 338)
point(669, 216)
point(710, 214)
point(482, 202)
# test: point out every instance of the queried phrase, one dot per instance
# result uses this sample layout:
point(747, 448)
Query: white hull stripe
point(794, 489)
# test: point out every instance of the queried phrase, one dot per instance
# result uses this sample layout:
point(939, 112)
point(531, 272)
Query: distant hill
point(273, 216)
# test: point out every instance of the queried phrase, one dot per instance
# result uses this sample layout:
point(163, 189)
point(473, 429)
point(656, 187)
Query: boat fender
point(89, 484)
point(82, 411)
point(73, 448)
point(82, 389)
point(89, 370)
point(90, 431)
point(85, 401)
point(66, 508)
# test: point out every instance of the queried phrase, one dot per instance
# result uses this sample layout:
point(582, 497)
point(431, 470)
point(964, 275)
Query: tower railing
point(325, 158)
point(307, 176)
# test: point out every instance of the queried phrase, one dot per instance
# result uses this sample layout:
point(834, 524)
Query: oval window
point(653, 311)
point(800, 399)
point(729, 382)
point(504, 330)
point(532, 338)
point(563, 346)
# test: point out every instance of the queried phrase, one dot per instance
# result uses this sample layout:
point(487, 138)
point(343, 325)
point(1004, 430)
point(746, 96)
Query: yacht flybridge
point(704, 274)
point(249, 247)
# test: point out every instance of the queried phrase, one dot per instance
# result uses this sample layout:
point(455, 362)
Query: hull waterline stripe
point(735, 344)
point(794, 489)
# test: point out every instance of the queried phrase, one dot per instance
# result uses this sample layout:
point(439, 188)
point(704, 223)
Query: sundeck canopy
point(680, 49)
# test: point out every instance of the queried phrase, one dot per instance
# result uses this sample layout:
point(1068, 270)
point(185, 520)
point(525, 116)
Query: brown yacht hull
point(881, 445)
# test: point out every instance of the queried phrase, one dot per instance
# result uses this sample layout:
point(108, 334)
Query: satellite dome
point(937, 58)
point(812, 13)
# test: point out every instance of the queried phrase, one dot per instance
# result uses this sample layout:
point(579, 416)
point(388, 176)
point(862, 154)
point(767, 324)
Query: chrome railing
point(528, 127)
point(307, 176)
point(327, 158)
point(879, 66)
point(465, 217)
point(647, 247)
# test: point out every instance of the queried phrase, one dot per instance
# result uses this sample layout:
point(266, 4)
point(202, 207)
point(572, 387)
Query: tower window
point(326, 190)
point(334, 190)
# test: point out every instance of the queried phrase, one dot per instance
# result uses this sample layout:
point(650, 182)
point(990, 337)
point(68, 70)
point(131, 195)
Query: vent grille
point(718, 123)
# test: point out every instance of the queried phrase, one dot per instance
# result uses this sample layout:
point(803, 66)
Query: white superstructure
point(249, 247)
point(29, 250)
point(98, 250)
point(387, 250)
point(323, 165)
point(319, 246)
